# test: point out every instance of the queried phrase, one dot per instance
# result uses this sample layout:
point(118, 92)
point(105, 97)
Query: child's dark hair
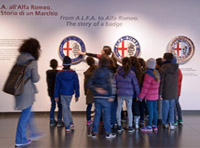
point(168, 56)
point(107, 50)
point(159, 61)
point(31, 46)
point(90, 61)
point(126, 62)
point(142, 63)
point(104, 61)
point(138, 69)
point(54, 63)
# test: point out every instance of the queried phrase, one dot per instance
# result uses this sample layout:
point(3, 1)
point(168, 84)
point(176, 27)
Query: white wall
point(156, 23)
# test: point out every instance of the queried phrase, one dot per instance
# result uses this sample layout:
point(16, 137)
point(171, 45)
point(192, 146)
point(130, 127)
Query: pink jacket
point(150, 88)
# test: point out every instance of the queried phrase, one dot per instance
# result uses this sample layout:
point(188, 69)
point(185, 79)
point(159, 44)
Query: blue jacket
point(67, 83)
point(101, 79)
point(127, 86)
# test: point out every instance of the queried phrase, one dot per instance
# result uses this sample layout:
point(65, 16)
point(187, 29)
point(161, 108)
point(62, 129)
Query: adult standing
point(29, 51)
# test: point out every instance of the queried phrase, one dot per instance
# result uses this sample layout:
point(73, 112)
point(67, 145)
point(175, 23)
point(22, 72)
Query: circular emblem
point(126, 46)
point(181, 47)
point(70, 46)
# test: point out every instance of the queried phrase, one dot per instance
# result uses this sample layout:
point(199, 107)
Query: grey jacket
point(26, 99)
point(169, 81)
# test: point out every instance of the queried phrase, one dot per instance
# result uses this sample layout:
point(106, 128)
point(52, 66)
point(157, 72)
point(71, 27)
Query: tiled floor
point(187, 136)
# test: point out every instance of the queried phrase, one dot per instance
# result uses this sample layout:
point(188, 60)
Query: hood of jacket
point(170, 68)
point(24, 58)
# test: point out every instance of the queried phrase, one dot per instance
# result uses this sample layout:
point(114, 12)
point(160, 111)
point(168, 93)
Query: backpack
point(16, 80)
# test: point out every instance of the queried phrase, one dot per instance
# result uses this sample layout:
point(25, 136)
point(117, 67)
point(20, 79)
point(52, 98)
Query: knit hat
point(66, 61)
point(151, 63)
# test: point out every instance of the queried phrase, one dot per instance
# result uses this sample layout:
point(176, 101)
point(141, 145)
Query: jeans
point(102, 104)
point(53, 107)
point(88, 111)
point(135, 107)
point(114, 112)
point(178, 110)
point(160, 109)
point(26, 121)
point(129, 110)
point(168, 111)
point(153, 113)
point(142, 109)
point(66, 111)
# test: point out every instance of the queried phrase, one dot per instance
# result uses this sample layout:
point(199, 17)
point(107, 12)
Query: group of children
point(154, 84)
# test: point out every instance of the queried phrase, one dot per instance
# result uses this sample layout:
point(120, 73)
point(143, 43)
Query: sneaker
point(119, 128)
point(72, 125)
point(154, 127)
point(176, 123)
point(110, 135)
point(92, 135)
point(141, 122)
point(180, 122)
point(36, 137)
point(147, 129)
point(67, 129)
point(60, 124)
point(27, 143)
point(165, 125)
point(172, 127)
point(89, 122)
point(130, 129)
point(53, 122)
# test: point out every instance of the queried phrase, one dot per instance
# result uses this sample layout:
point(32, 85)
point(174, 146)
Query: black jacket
point(51, 78)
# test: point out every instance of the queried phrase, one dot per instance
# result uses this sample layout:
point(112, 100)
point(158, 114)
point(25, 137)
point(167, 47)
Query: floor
point(186, 136)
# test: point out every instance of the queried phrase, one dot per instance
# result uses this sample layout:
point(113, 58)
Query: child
point(177, 107)
point(127, 84)
point(159, 103)
point(51, 78)
point(168, 89)
point(100, 84)
point(89, 95)
point(66, 85)
point(150, 91)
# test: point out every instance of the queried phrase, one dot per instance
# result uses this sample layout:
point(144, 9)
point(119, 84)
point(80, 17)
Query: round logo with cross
point(183, 48)
point(70, 46)
point(126, 46)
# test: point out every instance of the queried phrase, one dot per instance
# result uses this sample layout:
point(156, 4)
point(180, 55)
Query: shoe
point(154, 127)
point(67, 129)
point(130, 129)
point(92, 135)
point(141, 122)
point(60, 124)
point(119, 128)
point(53, 122)
point(27, 143)
point(176, 123)
point(110, 135)
point(147, 129)
point(172, 127)
point(89, 122)
point(72, 125)
point(180, 122)
point(165, 125)
point(36, 137)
